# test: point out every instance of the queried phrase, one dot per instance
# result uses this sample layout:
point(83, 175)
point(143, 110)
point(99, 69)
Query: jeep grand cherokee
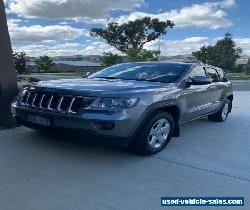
point(142, 102)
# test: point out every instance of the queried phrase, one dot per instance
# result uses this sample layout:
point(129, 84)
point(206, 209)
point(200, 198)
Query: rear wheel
point(223, 112)
point(155, 134)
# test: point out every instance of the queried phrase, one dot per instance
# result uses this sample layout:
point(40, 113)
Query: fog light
point(104, 125)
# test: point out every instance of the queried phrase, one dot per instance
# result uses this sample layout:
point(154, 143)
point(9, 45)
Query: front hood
point(102, 85)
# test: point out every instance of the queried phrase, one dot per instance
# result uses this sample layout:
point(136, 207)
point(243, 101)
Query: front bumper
point(124, 124)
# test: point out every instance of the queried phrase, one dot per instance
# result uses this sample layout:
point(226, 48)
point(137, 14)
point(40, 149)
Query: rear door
point(215, 90)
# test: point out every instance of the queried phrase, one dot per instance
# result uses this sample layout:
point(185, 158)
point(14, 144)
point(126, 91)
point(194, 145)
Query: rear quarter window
point(222, 75)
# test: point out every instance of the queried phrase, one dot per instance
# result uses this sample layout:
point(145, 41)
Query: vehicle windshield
point(154, 72)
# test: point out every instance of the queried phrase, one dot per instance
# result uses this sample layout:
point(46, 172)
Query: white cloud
point(196, 39)
point(69, 9)
point(205, 15)
point(37, 33)
point(227, 3)
point(178, 47)
point(188, 45)
point(168, 47)
point(243, 43)
point(51, 49)
point(66, 49)
point(64, 23)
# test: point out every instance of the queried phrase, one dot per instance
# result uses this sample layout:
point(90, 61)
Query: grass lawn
point(238, 76)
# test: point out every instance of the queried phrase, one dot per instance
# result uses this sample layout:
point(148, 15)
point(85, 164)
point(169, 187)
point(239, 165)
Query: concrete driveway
point(59, 172)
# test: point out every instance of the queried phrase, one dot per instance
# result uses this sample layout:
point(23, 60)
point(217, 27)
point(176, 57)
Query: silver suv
point(142, 103)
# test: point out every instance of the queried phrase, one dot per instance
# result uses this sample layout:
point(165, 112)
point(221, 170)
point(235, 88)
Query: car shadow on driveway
point(85, 142)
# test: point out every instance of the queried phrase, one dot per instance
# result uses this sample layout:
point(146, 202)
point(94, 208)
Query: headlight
point(113, 103)
point(21, 94)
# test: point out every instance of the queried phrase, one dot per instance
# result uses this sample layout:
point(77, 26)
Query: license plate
point(38, 120)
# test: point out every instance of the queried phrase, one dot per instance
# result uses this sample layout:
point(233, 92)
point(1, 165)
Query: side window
point(212, 74)
point(222, 75)
point(197, 71)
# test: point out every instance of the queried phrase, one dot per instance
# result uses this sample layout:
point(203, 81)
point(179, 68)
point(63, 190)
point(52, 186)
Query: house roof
point(77, 63)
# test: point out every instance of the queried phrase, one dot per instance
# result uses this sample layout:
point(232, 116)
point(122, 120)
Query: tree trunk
point(8, 79)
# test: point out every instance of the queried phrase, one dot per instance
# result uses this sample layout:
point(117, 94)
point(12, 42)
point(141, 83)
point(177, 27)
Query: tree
point(143, 55)
point(44, 63)
point(134, 34)
point(223, 54)
point(227, 51)
point(247, 70)
point(206, 55)
point(20, 61)
point(109, 59)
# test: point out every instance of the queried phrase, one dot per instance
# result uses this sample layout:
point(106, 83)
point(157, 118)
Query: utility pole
point(8, 79)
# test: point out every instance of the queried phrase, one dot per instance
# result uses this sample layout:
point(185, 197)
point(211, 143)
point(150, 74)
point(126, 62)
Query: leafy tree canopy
point(143, 55)
point(223, 54)
point(20, 61)
point(44, 63)
point(109, 59)
point(134, 34)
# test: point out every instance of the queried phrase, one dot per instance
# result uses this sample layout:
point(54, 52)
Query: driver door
point(194, 99)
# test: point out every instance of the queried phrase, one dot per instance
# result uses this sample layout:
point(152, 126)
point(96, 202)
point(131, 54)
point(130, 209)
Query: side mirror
point(198, 80)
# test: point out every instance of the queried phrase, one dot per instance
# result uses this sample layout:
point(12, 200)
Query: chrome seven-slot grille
point(55, 102)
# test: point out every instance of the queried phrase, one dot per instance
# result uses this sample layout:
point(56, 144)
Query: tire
point(222, 113)
point(154, 135)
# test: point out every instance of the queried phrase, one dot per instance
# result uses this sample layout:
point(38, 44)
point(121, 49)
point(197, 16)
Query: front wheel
point(223, 112)
point(155, 134)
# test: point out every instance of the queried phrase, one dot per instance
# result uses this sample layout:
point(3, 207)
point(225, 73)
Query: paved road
point(241, 85)
point(59, 172)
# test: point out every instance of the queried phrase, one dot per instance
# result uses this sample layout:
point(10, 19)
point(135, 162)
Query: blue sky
point(61, 27)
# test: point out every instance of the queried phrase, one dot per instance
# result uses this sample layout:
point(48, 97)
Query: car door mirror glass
point(198, 80)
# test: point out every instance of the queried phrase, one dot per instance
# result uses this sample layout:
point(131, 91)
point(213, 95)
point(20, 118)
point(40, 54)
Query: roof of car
point(195, 63)
point(165, 62)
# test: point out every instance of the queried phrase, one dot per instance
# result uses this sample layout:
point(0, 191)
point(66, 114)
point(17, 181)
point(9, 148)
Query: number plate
point(39, 120)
